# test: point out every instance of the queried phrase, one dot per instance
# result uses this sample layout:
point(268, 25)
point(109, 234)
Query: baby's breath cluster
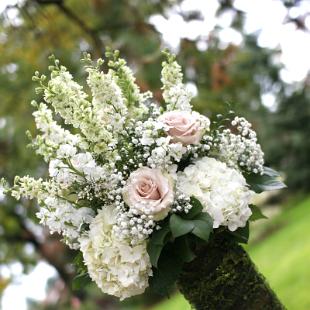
point(124, 165)
point(241, 149)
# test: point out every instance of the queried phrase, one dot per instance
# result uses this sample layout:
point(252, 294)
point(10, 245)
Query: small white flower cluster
point(166, 154)
point(56, 212)
point(182, 202)
point(241, 150)
point(67, 97)
point(148, 131)
point(127, 82)
point(130, 225)
point(70, 167)
point(124, 165)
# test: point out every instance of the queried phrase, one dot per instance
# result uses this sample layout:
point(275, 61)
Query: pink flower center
point(147, 189)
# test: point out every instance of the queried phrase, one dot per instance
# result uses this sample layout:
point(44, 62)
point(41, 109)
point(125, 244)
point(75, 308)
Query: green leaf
point(195, 210)
point(183, 249)
point(204, 216)
point(157, 242)
point(241, 235)
point(202, 229)
point(169, 267)
point(154, 251)
point(268, 181)
point(270, 172)
point(180, 226)
point(78, 261)
point(80, 281)
point(159, 236)
point(256, 213)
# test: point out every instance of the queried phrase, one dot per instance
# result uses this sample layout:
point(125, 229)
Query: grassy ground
point(283, 257)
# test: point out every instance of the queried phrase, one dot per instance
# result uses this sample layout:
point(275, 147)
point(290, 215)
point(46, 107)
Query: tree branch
point(98, 46)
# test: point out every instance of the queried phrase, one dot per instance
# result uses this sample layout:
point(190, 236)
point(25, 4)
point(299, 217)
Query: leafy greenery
point(268, 181)
point(171, 246)
point(196, 222)
point(282, 258)
point(157, 242)
point(82, 278)
point(241, 235)
point(257, 213)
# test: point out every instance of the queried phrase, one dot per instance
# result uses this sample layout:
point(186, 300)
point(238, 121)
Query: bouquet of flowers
point(135, 187)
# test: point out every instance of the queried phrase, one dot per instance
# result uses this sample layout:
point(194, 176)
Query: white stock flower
point(175, 93)
point(118, 268)
point(85, 163)
point(62, 217)
point(222, 191)
point(66, 151)
point(61, 173)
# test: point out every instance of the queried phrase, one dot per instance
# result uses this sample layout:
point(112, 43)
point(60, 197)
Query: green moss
point(224, 277)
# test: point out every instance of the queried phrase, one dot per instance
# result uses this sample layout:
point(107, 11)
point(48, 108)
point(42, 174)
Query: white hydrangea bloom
point(118, 268)
point(222, 191)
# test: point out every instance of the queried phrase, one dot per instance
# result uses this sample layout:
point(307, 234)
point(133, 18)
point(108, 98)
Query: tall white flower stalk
point(175, 94)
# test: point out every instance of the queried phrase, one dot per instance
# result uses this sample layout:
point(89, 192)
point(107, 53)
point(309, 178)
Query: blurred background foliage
point(223, 75)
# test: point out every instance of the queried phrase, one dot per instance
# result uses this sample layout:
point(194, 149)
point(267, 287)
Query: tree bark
point(222, 276)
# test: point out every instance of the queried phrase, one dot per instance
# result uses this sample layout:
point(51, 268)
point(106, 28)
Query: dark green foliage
point(157, 242)
point(172, 246)
point(241, 235)
point(257, 213)
point(268, 181)
point(288, 146)
point(82, 278)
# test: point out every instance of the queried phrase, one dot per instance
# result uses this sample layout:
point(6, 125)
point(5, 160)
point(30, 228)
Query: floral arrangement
point(135, 186)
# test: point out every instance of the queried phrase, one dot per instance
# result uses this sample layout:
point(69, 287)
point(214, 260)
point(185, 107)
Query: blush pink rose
point(149, 192)
point(185, 127)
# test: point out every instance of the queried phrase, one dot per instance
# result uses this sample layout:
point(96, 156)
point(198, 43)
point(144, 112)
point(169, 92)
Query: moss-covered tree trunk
point(222, 276)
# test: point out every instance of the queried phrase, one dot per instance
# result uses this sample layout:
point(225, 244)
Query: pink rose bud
point(149, 192)
point(185, 127)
